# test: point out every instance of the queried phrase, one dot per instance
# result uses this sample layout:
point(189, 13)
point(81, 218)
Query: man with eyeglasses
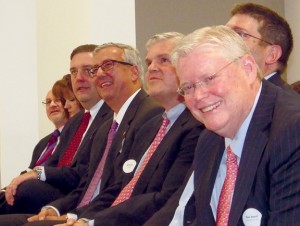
point(69, 162)
point(118, 71)
point(268, 36)
point(247, 160)
point(58, 116)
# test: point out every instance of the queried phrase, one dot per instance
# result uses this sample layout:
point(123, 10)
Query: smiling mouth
point(105, 84)
point(211, 107)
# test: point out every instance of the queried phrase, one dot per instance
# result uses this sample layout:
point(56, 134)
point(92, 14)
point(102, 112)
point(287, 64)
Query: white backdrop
point(37, 38)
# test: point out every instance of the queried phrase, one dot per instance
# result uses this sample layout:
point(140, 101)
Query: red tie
point(68, 156)
point(50, 147)
point(227, 189)
point(98, 173)
point(127, 190)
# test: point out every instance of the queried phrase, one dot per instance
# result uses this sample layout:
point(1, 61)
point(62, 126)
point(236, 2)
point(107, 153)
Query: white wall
point(37, 38)
point(18, 79)
point(292, 9)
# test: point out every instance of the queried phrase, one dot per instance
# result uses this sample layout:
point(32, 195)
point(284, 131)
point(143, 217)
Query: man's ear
point(274, 52)
point(250, 67)
point(135, 73)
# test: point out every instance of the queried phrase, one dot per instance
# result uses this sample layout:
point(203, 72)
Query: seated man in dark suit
point(269, 38)
point(132, 108)
point(159, 174)
point(65, 167)
point(45, 147)
point(247, 160)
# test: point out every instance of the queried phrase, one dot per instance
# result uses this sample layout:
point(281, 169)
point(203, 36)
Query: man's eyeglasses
point(208, 80)
point(106, 66)
point(246, 35)
point(49, 101)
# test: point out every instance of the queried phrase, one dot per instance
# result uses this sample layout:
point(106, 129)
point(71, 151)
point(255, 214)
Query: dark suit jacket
point(160, 179)
point(278, 81)
point(165, 215)
point(38, 150)
point(268, 178)
point(141, 109)
point(67, 178)
point(60, 180)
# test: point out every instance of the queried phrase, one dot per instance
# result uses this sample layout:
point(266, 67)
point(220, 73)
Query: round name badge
point(129, 165)
point(252, 217)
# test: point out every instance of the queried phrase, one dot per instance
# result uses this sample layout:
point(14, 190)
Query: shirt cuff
point(72, 216)
point(51, 207)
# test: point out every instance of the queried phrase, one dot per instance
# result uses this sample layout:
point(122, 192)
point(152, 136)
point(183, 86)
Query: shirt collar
point(119, 116)
point(94, 110)
point(237, 142)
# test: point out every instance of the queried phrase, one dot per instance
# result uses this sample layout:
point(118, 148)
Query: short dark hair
point(274, 29)
point(83, 49)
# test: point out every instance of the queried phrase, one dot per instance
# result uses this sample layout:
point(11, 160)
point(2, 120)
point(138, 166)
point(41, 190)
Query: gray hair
point(220, 38)
point(131, 55)
point(164, 36)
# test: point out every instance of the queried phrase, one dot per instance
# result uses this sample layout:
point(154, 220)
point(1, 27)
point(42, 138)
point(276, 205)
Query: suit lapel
point(163, 147)
point(126, 121)
point(208, 156)
point(103, 113)
point(143, 143)
point(254, 146)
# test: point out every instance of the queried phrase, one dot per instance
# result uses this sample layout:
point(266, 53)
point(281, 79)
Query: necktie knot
point(114, 126)
point(86, 116)
point(166, 121)
point(56, 133)
point(231, 157)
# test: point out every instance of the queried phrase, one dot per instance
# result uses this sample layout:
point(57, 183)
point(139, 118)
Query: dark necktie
point(68, 156)
point(127, 190)
point(227, 189)
point(49, 150)
point(99, 171)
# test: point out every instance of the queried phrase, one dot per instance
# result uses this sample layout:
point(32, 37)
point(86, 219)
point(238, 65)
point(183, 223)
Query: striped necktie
point(127, 190)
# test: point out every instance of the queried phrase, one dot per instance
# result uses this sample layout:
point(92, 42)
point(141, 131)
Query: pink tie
point(68, 156)
point(227, 189)
point(127, 190)
point(99, 171)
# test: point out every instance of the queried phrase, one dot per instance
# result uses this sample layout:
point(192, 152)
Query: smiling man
point(247, 161)
point(66, 166)
point(246, 164)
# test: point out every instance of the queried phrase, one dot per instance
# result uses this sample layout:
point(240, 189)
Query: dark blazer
point(165, 215)
point(162, 176)
point(60, 180)
point(278, 81)
point(268, 176)
point(67, 178)
point(38, 150)
point(141, 109)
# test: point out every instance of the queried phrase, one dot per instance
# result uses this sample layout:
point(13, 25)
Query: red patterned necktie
point(68, 156)
point(127, 190)
point(99, 171)
point(224, 204)
point(49, 150)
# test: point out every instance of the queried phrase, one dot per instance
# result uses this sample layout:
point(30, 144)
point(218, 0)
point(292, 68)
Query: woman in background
point(63, 88)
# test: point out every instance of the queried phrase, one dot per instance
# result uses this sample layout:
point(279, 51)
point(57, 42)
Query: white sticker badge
point(252, 217)
point(129, 165)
